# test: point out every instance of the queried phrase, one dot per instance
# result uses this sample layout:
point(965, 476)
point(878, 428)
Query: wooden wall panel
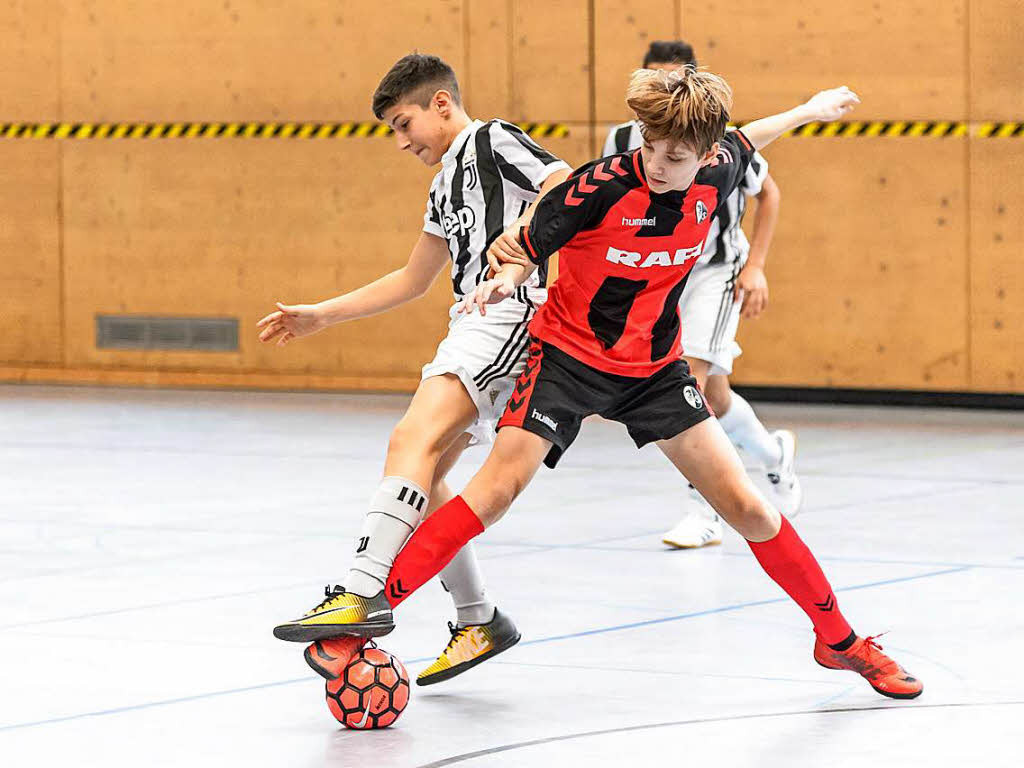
point(997, 67)
point(29, 253)
point(622, 32)
point(218, 228)
point(997, 268)
point(551, 61)
point(198, 60)
point(574, 148)
point(214, 227)
point(28, 61)
point(487, 78)
point(906, 58)
point(868, 270)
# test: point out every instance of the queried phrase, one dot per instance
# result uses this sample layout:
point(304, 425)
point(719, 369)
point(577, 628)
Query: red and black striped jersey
point(624, 255)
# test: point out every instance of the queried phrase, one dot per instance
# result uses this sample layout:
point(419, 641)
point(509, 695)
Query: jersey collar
point(460, 139)
point(673, 199)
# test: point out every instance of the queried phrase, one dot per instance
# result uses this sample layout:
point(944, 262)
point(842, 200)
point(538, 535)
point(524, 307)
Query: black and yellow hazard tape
point(918, 128)
point(911, 128)
point(226, 130)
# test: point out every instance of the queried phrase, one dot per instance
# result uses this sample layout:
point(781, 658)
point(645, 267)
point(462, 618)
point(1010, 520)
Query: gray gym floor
point(150, 540)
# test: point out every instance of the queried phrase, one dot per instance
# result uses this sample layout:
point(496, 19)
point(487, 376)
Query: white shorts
point(487, 353)
point(709, 316)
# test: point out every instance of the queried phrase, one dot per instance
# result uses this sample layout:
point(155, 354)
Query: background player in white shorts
point(490, 174)
point(728, 281)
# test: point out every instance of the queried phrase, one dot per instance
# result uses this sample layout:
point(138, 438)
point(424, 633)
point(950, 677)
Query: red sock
point(431, 547)
point(792, 566)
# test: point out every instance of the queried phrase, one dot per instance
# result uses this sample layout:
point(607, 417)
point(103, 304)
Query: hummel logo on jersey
point(651, 222)
point(702, 211)
point(547, 420)
point(653, 259)
point(693, 398)
point(460, 222)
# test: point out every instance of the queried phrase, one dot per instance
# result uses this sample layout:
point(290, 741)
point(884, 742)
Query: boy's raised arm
point(825, 106)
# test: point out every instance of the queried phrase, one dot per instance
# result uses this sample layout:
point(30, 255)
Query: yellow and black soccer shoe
point(469, 646)
point(340, 613)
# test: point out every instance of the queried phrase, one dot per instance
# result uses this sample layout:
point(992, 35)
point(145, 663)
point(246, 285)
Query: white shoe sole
point(701, 533)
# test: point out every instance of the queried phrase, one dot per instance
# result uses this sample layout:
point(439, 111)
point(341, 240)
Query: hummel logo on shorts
point(546, 420)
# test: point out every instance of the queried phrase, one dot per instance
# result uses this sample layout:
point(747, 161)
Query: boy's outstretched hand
point(488, 292)
point(833, 104)
point(290, 322)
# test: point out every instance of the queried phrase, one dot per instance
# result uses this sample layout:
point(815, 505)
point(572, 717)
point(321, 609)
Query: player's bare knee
point(755, 519)
point(410, 438)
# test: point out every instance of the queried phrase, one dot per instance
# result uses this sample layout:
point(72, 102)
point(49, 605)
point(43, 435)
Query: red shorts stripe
point(518, 403)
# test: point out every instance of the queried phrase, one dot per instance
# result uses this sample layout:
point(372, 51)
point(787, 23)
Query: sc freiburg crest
point(702, 211)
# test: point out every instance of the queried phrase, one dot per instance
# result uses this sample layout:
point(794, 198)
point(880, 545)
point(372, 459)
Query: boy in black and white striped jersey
point(490, 174)
point(727, 282)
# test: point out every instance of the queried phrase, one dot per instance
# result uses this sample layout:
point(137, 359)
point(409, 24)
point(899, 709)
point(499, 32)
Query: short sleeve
point(522, 162)
point(728, 170)
point(756, 173)
point(577, 204)
point(432, 218)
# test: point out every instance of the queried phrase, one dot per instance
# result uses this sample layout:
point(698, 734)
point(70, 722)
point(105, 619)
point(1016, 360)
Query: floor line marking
point(538, 641)
point(704, 721)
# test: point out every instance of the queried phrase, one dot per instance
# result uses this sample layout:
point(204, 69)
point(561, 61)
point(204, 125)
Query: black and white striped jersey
point(488, 177)
point(727, 242)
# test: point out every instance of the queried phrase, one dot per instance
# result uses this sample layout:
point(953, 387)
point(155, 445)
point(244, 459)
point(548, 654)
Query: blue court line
point(538, 641)
point(531, 548)
point(735, 607)
point(833, 697)
point(824, 558)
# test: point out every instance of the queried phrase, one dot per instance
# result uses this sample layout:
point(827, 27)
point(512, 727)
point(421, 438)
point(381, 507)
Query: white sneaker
point(785, 483)
point(694, 530)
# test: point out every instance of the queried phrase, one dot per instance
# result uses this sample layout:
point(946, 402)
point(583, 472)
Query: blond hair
point(689, 105)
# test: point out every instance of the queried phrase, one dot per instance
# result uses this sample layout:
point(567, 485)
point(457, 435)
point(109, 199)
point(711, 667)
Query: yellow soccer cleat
point(340, 613)
point(469, 646)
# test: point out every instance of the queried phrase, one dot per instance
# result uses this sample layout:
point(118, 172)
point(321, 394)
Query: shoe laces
point(330, 594)
point(457, 633)
point(870, 640)
point(875, 656)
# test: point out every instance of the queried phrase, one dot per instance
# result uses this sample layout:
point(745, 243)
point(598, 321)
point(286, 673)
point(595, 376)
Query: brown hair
point(690, 106)
point(415, 78)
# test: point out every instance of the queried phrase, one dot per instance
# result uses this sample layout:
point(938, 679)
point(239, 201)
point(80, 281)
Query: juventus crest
point(471, 177)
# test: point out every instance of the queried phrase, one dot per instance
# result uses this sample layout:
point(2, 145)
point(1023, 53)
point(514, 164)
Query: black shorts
point(556, 392)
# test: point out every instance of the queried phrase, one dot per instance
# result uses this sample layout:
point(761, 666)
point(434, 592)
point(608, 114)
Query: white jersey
point(726, 242)
point(488, 177)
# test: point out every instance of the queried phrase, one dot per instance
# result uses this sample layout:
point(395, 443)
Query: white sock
point(395, 511)
point(463, 579)
point(744, 429)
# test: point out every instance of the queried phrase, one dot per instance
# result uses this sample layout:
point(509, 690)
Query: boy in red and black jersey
point(629, 229)
point(626, 253)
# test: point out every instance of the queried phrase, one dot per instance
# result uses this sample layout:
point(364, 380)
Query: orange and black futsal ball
point(372, 691)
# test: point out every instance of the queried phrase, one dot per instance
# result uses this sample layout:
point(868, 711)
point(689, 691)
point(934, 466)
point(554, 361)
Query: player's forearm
point(518, 272)
point(389, 291)
point(550, 183)
point(765, 218)
point(766, 130)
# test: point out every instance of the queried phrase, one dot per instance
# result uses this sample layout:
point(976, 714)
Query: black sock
point(845, 643)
